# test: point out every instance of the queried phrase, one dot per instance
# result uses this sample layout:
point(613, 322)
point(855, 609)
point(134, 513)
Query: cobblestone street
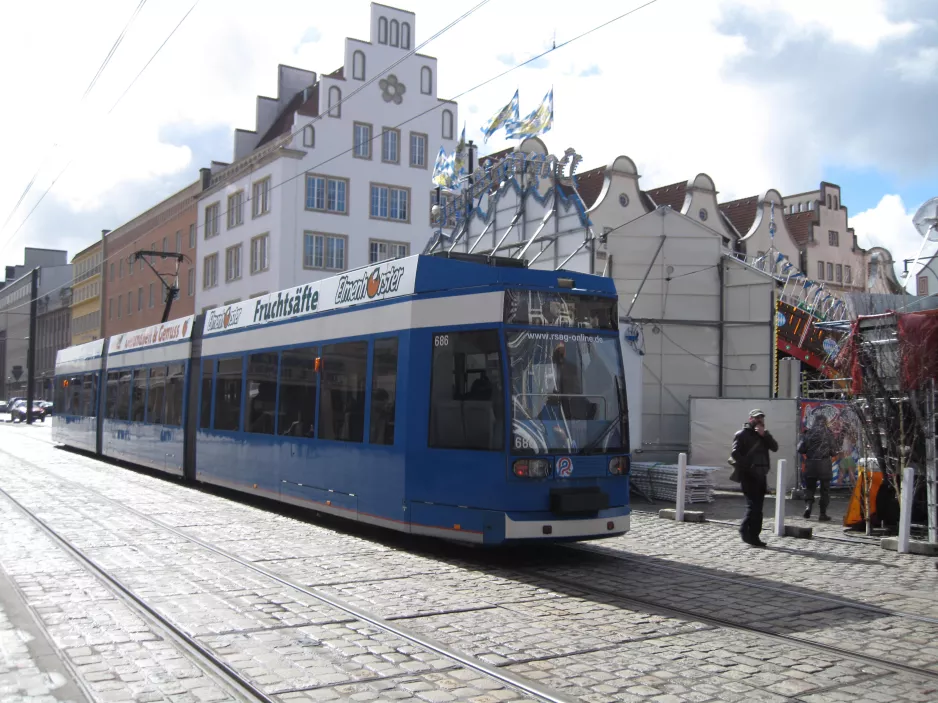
point(310, 610)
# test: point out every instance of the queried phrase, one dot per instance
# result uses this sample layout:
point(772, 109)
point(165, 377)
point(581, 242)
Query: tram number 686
point(441, 340)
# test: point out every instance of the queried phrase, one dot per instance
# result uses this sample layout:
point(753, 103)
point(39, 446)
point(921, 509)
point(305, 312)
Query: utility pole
point(31, 348)
point(171, 289)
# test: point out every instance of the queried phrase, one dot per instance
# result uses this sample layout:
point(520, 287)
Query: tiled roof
point(800, 226)
point(672, 195)
point(284, 121)
point(589, 184)
point(742, 213)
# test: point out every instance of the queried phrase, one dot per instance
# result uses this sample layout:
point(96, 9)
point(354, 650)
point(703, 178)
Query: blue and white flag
point(503, 117)
point(442, 170)
point(460, 157)
point(538, 122)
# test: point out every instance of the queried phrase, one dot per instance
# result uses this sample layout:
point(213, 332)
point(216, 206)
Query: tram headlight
point(531, 468)
point(619, 465)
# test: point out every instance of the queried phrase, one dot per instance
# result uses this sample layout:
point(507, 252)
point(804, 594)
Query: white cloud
point(889, 225)
point(657, 89)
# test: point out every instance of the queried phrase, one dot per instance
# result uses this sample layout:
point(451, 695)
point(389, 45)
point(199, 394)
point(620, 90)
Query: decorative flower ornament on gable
point(392, 90)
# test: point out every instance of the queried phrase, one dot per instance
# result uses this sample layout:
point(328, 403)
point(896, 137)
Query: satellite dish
point(926, 220)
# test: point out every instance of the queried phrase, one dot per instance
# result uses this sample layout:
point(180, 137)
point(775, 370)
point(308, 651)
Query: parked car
point(47, 406)
point(18, 412)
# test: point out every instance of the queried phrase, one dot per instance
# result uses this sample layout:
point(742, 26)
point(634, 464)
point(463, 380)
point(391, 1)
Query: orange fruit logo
point(227, 317)
point(373, 282)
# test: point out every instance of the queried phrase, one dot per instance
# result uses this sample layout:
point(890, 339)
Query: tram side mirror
point(317, 365)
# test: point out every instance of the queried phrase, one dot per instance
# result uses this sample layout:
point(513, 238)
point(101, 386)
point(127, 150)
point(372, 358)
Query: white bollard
point(780, 499)
point(681, 485)
point(905, 510)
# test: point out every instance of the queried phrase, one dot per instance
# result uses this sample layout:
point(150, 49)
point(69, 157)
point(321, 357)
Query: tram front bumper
point(566, 529)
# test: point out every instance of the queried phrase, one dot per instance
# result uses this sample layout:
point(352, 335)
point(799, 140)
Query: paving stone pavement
point(537, 613)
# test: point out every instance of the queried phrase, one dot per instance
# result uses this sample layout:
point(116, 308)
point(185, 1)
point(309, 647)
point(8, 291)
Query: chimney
point(206, 175)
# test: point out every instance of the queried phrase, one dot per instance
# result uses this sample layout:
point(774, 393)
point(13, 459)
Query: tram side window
point(74, 395)
point(123, 394)
point(205, 414)
point(155, 395)
point(110, 395)
point(87, 395)
point(175, 376)
point(262, 393)
point(342, 405)
point(138, 400)
point(59, 398)
point(296, 412)
point(228, 394)
point(466, 399)
point(383, 391)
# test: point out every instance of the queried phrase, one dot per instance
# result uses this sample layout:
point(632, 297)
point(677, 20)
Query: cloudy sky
point(757, 93)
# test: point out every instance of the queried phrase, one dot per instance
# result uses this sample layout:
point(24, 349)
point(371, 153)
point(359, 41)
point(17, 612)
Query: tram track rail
point(204, 654)
point(545, 578)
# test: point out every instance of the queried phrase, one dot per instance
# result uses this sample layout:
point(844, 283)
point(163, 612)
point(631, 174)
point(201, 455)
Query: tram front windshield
point(566, 391)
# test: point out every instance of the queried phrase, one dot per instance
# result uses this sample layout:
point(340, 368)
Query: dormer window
point(358, 66)
point(382, 30)
point(828, 201)
point(447, 124)
point(405, 35)
point(426, 80)
point(395, 39)
point(335, 99)
point(309, 136)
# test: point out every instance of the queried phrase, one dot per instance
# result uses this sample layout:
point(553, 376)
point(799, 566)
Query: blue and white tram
point(432, 395)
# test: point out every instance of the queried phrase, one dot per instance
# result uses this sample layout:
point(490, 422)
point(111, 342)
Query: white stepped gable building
point(321, 185)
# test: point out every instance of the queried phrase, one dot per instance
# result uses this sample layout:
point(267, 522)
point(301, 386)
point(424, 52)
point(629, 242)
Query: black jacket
point(818, 446)
point(751, 454)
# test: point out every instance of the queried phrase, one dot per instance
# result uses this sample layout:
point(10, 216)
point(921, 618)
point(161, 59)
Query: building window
point(426, 80)
point(324, 251)
point(233, 263)
point(260, 253)
point(833, 238)
point(110, 308)
point(870, 269)
point(848, 276)
point(418, 150)
point(830, 271)
point(828, 202)
point(178, 248)
point(382, 30)
point(165, 242)
point(358, 65)
point(820, 270)
point(326, 194)
point(405, 35)
point(111, 278)
point(840, 273)
point(395, 39)
point(192, 236)
point(191, 290)
point(361, 138)
point(120, 268)
point(119, 301)
point(309, 136)
point(447, 124)
point(335, 98)
point(921, 285)
point(210, 271)
point(388, 203)
point(342, 399)
point(391, 146)
point(211, 220)
point(151, 295)
point(140, 299)
point(235, 209)
point(130, 303)
point(260, 198)
point(836, 203)
point(379, 250)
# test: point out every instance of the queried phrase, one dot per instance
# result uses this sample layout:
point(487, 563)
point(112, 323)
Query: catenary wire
point(374, 137)
point(116, 103)
point(97, 75)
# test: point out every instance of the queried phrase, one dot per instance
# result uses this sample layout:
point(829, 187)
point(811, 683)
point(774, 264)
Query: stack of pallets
point(659, 482)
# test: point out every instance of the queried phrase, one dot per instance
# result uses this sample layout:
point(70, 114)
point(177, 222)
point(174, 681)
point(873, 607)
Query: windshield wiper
point(617, 421)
